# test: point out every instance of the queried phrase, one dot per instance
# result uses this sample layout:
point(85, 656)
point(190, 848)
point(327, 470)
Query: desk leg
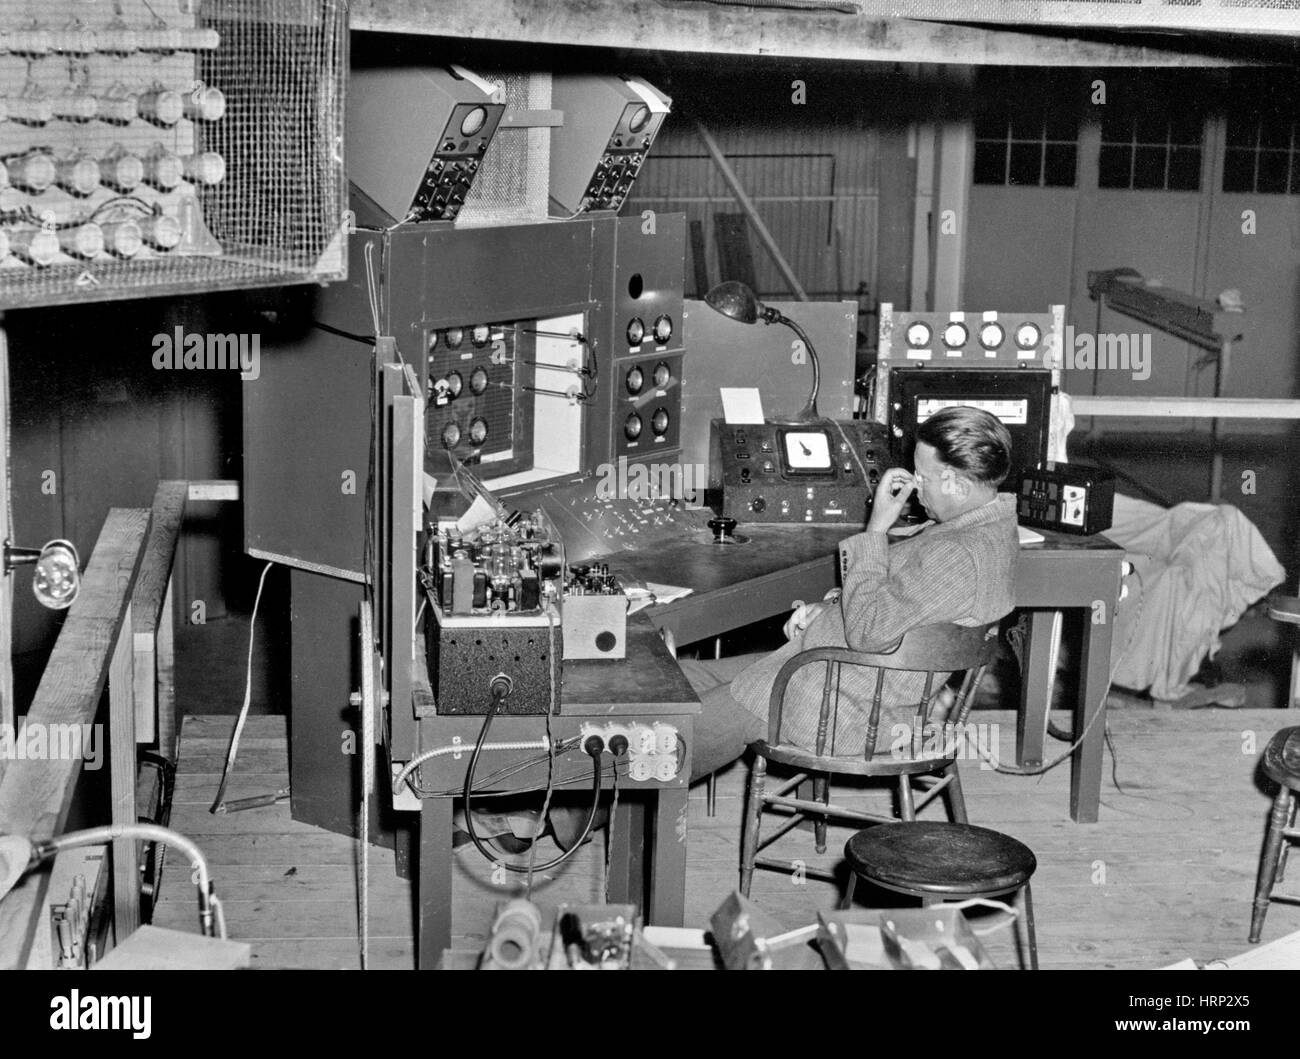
point(434, 894)
point(1094, 680)
point(1035, 690)
point(626, 868)
point(667, 904)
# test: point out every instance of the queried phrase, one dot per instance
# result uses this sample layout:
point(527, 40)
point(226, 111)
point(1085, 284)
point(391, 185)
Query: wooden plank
point(1168, 871)
point(1196, 407)
point(213, 489)
point(121, 749)
point(149, 603)
point(699, 259)
point(7, 713)
point(35, 795)
point(158, 949)
point(165, 673)
point(735, 260)
point(764, 31)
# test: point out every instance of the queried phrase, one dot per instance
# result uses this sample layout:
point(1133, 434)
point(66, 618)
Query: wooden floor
point(1167, 873)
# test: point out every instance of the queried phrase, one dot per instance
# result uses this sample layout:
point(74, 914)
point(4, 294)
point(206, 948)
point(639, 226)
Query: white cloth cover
point(1201, 566)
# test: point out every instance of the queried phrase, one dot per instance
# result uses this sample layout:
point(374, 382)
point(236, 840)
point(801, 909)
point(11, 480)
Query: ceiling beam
point(767, 31)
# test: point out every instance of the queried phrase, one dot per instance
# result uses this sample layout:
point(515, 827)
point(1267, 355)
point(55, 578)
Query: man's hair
point(971, 441)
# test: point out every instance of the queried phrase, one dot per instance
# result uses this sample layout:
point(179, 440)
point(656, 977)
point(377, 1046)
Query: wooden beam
point(7, 713)
point(720, 29)
point(35, 795)
point(1186, 407)
point(215, 489)
point(1216, 16)
point(149, 603)
point(121, 777)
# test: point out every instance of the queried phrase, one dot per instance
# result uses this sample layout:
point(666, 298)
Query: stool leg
point(1025, 901)
point(753, 817)
point(711, 794)
point(821, 793)
point(1268, 862)
point(1286, 846)
point(956, 799)
point(847, 900)
point(906, 807)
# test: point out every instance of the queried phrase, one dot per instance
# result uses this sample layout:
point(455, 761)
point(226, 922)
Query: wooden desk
point(735, 585)
point(648, 860)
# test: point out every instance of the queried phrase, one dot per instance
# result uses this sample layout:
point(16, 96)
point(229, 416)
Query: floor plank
point(1167, 872)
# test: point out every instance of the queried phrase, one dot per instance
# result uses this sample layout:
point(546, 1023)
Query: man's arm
point(934, 584)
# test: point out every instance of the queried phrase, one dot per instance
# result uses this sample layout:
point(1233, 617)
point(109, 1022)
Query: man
point(959, 568)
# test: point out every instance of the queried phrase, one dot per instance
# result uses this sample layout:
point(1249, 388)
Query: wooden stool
point(939, 861)
point(1282, 766)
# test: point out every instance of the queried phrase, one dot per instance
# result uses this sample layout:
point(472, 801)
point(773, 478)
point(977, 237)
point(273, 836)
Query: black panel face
point(647, 410)
point(480, 408)
point(1021, 399)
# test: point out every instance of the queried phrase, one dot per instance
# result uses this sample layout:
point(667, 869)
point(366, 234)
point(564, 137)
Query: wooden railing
point(118, 633)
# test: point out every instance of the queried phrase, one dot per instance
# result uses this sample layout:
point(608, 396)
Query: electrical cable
point(550, 756)
point(1040, 770)
point(468, 795)
point(211, 914)
point(219, 802)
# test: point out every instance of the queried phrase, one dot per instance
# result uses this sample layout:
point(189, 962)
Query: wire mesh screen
point(156, 147)
point(511, 184)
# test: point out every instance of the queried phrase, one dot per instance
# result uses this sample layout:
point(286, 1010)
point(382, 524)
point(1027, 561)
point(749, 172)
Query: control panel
point(1066, 498)
point(648, 404)
point(631, 507)
point(654, 751)
point(820, 472)
point(610, 124)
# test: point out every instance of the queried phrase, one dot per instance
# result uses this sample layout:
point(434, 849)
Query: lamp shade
point(735, 300)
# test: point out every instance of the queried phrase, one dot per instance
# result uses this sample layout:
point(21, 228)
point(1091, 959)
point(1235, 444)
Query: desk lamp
point(737, 301)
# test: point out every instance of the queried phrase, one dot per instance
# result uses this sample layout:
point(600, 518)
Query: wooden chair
point(1281, 764)
point(935, 650)
point(938, 861)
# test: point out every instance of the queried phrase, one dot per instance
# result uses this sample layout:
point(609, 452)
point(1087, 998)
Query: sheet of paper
point(1028, 536)
point(741, 404)
point(479, 512)
point(430, 483)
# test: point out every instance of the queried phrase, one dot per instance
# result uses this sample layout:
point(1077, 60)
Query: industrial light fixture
point(738, 302)
point(57, 578)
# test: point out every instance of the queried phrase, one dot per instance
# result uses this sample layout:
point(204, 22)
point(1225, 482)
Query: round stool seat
point(1282, 758)
point(940, 858)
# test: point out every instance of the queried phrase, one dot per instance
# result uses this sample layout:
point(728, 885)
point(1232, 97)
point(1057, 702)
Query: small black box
point(1066, 497)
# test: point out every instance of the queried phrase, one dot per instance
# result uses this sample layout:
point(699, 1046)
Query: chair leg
point(711, 795)
point(1286, 846)
point(956, 799)
point(906, 807)
point(1268, 862)
point(1025, 900)
point(821, 793)
point(753, 817)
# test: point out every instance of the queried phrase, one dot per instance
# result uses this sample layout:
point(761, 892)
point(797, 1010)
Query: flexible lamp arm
point(809, 413)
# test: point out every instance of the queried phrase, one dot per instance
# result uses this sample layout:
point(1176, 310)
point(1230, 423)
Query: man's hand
point(803, 616)
point(892, 492)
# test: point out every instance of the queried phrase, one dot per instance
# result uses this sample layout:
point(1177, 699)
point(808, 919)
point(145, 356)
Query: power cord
point(502, 685)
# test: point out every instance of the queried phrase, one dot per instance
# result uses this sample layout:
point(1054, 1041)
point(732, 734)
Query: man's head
point(962, 456)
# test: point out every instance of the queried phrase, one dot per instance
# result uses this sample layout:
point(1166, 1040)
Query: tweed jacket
point(961, 571)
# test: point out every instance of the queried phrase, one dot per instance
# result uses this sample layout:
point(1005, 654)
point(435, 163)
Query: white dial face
point(1027, 336)
point(955, 335)
point(807, 451)
point(918, 335)
point(991, 336)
